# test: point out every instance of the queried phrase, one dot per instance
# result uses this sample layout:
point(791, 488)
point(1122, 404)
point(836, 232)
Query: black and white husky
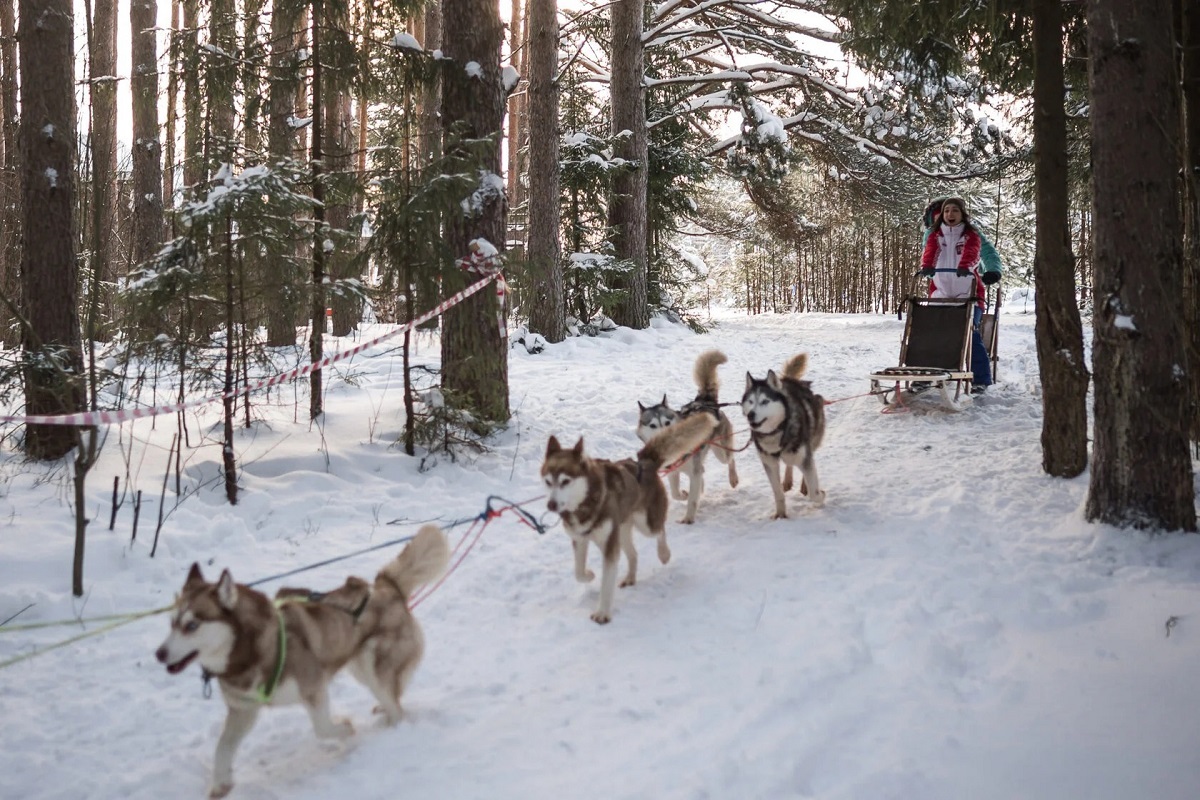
point(652, 419)
point(787, 424)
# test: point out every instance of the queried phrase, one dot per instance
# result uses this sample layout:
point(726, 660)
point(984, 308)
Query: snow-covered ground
point(946, 627)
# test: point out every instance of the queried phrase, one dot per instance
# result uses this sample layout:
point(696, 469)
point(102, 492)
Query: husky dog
point(266, 653)
point(787, 423)
point(655, 417)
point(602, 501)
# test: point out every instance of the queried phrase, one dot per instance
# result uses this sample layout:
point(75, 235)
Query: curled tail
point(676, 441)
point(422, 560)
point(705, 373)
point(796, 367)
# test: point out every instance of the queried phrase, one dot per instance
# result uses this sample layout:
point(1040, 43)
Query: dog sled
point(935, 352)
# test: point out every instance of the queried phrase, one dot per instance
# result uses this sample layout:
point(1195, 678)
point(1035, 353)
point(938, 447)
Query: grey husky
point(787, 424)
point(286, 651)
point(653, 418)
point(602, 501)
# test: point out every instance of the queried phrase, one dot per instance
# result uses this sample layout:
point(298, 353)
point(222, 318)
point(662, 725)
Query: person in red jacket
point(951, 262)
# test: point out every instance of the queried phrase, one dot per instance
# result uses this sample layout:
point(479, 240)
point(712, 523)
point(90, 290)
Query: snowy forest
point(194, 193)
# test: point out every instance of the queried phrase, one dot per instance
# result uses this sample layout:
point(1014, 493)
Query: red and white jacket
point(949, 249)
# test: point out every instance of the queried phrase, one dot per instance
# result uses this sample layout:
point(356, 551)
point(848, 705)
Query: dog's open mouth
point(180, 665)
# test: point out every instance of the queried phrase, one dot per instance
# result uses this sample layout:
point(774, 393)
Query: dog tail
point(422, 560)
point(675, 441)
point(796, 367)
point(705, 373)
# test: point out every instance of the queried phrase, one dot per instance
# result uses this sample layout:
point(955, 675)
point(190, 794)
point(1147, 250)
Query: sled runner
point(935, 352)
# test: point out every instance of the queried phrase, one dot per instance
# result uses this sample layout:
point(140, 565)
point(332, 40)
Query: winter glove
point(925, 272)
point(962, 272)
point(991, 277)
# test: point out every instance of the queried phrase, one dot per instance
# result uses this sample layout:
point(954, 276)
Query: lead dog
point(787, 424)
point(653, 418)
point(266, 653)
point(602, 501)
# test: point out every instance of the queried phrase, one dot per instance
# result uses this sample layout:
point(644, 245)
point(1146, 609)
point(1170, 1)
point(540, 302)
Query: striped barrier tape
point(89, 418)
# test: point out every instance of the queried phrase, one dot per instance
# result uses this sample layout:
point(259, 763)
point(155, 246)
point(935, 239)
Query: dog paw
point(819, 499)
point(680, 495)
point(664, 552)
point(733, 481)
point(585, 577)
point(686, 521)
point(779, 515)
point(220, 790)
point(601, 618)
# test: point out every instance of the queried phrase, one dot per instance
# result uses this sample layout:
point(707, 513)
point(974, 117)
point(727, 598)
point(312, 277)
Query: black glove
point(962, 272)
point(926, 272)
point(991, 277)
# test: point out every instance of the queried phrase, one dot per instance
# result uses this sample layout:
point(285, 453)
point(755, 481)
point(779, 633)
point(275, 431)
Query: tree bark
point(1190, 71)
point(10, 184)
point(543, 254)
point(627, 207)
point(103, 89)
point(221, 80)
point(48, 269)
point(280, 274)
point(338, 150)
point(195, 171)
point(1141, 473)
point(474, 348)
point(147, 149)
point(1059, 330)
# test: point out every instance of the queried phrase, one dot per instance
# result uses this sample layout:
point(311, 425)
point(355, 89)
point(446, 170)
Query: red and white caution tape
point(88, 418)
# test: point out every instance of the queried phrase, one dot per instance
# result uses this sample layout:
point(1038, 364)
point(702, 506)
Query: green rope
point(132, 615)
point(124, 619)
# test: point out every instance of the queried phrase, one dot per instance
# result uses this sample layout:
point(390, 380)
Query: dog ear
point(749, 381)
point(227, 591)
point(578, 449)
point(640, 406)
point(553, 446)
point(194, 575)
point(664, 402)
point(773, 380)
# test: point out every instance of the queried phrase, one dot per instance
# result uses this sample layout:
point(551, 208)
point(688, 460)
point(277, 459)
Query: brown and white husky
point(602, 501)
point(270, 653)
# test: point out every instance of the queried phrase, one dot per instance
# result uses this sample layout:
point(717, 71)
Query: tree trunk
point(10, 184)
point(1190, 69)
point(474, 348)
point(194, 169)
point(543, 253)
point(1061, 364)
point(254, 53)
point(338, 152)
point(1141, 470)
point(316, 315)
point(103, 88)
point(280, 275)
point(48, 267)
point(517, 106)
point(147, 162)
point(627, 207)
point(221, 80)
point(173, 62)
point(430, 103)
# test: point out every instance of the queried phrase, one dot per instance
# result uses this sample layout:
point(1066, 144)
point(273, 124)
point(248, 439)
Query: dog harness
point(265, 692)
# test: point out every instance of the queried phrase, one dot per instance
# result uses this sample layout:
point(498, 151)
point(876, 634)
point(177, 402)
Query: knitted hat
point(961, 204)
point(933, 211)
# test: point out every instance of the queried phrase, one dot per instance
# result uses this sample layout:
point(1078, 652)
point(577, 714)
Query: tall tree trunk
point(10, 184)
point(543, 253)
point(281, 277)
point(1190, 71)
point(103, 88)
point(173, 66)
point(253, 53)
point(48, 269)
point(474, 349)
point(147, 150)
point(517, 108)
point(430, 103)
point(317, 289)
point(195, 171)
point(338, 153)
point(221, 80)
point(1059, 329)
point(627, 207)
point(1141, 469)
